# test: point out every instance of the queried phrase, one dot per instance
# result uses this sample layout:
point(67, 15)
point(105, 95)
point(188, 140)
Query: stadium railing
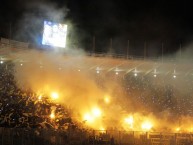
point(23, 136)
point(17, 46)
point(12, 43)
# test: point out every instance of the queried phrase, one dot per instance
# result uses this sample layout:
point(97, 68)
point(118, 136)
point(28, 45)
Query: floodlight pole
point(145, 49)
point(162, 51)
point(180, 50)
point(93, 45)
point(127, 49)
point(10, 30)
point(111, 45)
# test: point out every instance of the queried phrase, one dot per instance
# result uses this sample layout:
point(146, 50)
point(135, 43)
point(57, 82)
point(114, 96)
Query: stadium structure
point(158, 85)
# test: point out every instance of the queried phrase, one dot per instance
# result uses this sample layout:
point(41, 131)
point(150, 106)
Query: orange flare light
point(102, 129)
point(96, 112)
point(52, 115)
point(146, 126)
point(129, 120)
point(178, 129)
point(88, 117)
point(40, 97)
point(107, 99)
point(54, 95)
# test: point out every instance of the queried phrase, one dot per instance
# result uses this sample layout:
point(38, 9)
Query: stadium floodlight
point(135, 72)
point(97, 70)
point(54, 34)
point(174, 74)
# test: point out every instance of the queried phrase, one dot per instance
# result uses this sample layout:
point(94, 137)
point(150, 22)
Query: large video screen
point(54, 34)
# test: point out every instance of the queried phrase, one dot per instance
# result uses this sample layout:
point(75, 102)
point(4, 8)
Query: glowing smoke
point(98, 100)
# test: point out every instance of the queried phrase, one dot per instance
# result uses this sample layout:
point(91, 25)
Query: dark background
point(152, 22)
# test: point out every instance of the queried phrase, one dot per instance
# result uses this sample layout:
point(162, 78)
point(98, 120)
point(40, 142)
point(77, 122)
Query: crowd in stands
point(161, 93)
point(21, 108)
point(154, 93)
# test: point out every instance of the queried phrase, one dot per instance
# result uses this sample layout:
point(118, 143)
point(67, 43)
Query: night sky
point(151, 21)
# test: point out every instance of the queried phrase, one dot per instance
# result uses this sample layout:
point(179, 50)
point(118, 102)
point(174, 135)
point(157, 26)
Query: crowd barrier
point(22, 136)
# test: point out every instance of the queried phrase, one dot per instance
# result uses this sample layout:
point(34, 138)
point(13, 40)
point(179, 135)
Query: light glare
point(102, 129)
point(129, 120)
point(40, 97)
point(54, 95)
point(88, 117)
point(52, 115)
point(107, 99)
point(54, 34)
point(146, 126)
point(178, 129)
point(96, 112)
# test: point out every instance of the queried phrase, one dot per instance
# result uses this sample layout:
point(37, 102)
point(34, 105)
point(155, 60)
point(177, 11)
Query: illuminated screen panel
point(54, 34)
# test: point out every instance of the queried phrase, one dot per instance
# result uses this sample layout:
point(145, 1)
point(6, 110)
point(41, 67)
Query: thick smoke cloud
point(67, 75)
point(81, 89)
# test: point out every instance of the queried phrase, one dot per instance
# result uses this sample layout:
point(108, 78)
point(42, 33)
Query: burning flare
point(146, 126)
point(54, 95)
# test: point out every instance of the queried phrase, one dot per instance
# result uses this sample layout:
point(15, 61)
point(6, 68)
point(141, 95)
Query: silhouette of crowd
point(21, 108)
